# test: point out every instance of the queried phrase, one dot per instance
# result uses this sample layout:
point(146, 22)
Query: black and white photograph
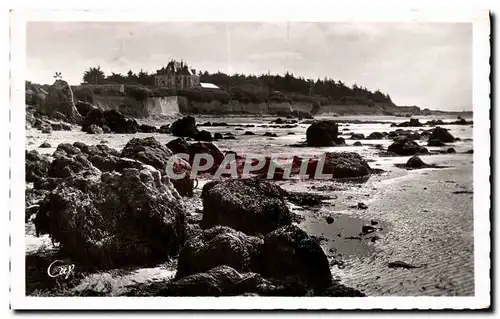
point(331, 161)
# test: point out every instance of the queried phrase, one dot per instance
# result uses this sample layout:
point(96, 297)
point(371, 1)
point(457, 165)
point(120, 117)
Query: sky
point(423, 64)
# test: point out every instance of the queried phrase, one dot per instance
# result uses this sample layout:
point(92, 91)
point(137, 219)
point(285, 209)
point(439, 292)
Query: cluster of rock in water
point(109, 209)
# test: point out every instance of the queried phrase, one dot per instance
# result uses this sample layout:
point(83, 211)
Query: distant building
point(176, 75)
point(208, 86)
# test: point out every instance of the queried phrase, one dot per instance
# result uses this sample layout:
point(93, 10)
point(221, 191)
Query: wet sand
point(423, 222)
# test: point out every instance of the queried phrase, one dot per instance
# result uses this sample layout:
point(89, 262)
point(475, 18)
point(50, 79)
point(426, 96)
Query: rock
point(279, 121)
point(36, 166)
point(184, 127)
point(270, 134)
point(68, 165)
point(56, 126)
point(329, 219)
point(441, 134)
point(451, 150)
point(113, 119)
point(434, 122)
point(340, 165)
point(362, 206)
point(218, 246)
point(147, 128)
point(322, 133)
point(94, 129)
point(229, 137)
point(149, 151)
point(164, 129)
point(415, 162)
point(305, 199)
point(357, 136)
point(46, 129)
point(366, 229)
point(252, 206)
point(375, 136)
point(289, 252)
point(470, 152)
point(435, 142)
point(114, 220)
point(411, 123)
point(358, 143)
point(66, 126)
point(406, 147)
point(179, 145)
point(106, 129)
point(60, 99)
point(203, 136)
point(206, 148)
point(45, 145)
point(249, 133)
point(373, 222)
point(218, 136)
point(84, 108)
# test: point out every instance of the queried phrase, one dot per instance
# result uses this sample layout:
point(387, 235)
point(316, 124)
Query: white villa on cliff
point(176, 75)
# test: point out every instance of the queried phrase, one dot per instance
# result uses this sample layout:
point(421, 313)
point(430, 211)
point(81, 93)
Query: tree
point(94, 76)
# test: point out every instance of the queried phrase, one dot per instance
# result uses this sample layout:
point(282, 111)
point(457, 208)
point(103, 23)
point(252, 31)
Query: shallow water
point(423, 222)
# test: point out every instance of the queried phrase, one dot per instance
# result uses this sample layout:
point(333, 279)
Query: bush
point(138, 93)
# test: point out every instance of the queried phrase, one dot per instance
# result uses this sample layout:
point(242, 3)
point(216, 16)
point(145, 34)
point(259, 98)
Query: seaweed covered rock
point(441, 134)
point(112, 220)
point(184, 127)
point(203, 136)
point(252, 206)
point(149, 151)
point(340, 165)
point(148, 128)
point(36, 166)
point(60, 100)
point(289, 252)
point(406, 146)
point(69, 160)
point(217, 246)
point(322, 133)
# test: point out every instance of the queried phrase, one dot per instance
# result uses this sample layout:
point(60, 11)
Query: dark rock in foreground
point(322, 133)
point(252, 206)
point(218, 246)
point(289, 252)
point(112, 220)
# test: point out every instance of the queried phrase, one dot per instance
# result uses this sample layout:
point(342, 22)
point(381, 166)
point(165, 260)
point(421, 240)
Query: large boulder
point(112, 220)
point(60, 99)
point(184, 127)
point(340, 165)
point(406, 147)
point(149, 151)
point(289, 252)
point(206, 148)
point(441, 134)
point(217, 246)
point(179, 145)
point(322, 133)
point(252, 206)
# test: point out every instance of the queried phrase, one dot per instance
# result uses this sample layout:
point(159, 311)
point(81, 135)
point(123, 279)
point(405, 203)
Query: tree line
point(253, 88)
